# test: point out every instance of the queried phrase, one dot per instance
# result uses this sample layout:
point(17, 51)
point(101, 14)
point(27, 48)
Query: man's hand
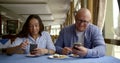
point(66, 50)
point(82, 51)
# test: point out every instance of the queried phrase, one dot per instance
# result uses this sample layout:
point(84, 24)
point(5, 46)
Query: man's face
point(81, 22)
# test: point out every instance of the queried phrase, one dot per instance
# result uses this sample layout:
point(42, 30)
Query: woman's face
point(34, 26)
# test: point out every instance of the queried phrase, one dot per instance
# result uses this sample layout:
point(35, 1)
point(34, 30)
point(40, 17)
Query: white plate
point(29, 55)
point(50, 57)
point(73, 55)
point(63, 57)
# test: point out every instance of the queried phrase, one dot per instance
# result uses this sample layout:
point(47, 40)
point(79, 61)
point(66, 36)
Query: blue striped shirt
point(93, 40)
point(43, 41)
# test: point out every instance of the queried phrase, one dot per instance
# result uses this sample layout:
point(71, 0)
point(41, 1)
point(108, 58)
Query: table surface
point(21, 58)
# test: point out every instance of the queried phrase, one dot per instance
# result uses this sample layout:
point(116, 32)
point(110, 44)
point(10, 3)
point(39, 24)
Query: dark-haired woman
point(33, 33)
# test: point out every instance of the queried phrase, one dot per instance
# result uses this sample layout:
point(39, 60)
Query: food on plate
point(55, 55)
point(59, 56)
point(62, 56)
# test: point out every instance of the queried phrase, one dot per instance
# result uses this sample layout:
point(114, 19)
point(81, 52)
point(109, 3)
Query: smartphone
point(32, 47)
point(77, 44)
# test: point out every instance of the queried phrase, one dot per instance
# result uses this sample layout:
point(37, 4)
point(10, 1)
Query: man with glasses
point(84, 33)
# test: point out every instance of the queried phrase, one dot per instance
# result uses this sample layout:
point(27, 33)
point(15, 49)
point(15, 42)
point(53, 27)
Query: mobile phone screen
point(77, 44)
point(32, 47)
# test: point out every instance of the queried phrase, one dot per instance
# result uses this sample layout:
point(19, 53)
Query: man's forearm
point(96, 52)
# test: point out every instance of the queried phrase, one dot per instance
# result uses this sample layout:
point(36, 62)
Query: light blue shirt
point(93, 40)
point(43, 41)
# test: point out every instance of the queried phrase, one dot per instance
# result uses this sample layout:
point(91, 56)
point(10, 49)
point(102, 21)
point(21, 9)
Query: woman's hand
point(23, 44)
point(39, 51)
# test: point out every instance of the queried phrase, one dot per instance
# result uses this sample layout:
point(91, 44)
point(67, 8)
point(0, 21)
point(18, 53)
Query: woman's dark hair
point(25, 29)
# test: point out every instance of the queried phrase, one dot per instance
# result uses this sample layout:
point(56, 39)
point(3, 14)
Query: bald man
point(84, 33)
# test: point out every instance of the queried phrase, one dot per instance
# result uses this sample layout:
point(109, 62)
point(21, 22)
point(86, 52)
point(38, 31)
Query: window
point(116, 25)
point(55, 29)
point(115, 13)
point(117, 51)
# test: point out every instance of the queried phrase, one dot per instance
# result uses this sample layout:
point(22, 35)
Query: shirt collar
point(31, 38)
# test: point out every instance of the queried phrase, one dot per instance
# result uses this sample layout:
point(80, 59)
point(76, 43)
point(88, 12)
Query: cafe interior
point(57, 14)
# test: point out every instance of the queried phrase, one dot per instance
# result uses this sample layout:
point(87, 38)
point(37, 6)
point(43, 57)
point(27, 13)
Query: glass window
point(116, 25)
point(55, 29)
point(115, 13)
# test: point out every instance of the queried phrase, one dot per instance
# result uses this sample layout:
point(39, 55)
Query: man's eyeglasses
point(82, 21)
